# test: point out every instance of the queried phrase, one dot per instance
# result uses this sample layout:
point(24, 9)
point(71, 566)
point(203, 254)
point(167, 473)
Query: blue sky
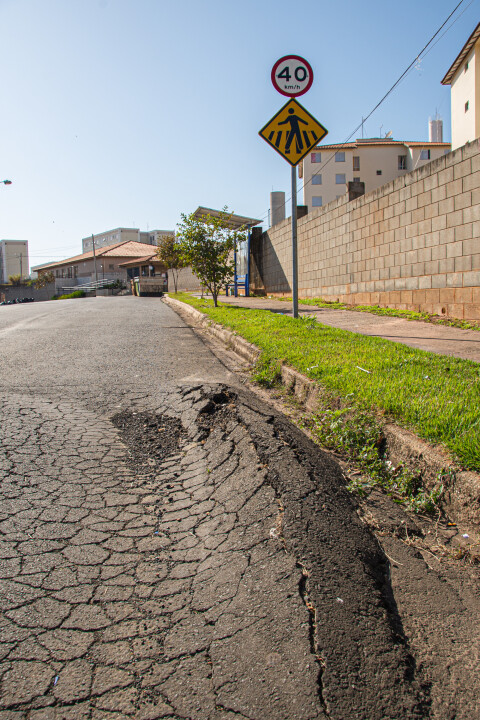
point(126, 113)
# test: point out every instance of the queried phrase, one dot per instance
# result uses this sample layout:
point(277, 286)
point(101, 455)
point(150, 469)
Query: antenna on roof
point(389, 134)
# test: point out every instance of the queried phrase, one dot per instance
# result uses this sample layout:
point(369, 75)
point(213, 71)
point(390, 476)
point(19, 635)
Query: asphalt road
point(170, 546)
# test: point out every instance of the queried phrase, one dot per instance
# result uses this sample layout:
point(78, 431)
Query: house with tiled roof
point(105, 264)
point(463, 77)
point(372, 162)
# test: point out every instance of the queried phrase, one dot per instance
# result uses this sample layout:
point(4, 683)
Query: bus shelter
point(241, 277)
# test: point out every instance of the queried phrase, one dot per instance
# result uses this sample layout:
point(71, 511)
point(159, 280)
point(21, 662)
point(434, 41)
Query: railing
point(95, 285)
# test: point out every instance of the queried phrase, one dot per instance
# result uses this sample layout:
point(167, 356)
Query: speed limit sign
point(292, 75)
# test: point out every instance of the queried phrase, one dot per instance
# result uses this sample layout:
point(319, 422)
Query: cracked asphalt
point(170, 546)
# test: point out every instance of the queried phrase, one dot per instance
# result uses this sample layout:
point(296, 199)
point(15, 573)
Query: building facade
point(328, 169)
point(83, 269)
point(112, 237)
point(464, 80)
point(13, 259)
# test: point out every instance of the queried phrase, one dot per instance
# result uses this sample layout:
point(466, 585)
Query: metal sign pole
point(294, 243)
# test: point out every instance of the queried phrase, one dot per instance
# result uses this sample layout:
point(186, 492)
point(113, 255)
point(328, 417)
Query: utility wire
point(395, 84)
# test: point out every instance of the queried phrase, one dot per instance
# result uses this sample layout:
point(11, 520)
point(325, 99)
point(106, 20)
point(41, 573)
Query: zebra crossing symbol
point(293, 132)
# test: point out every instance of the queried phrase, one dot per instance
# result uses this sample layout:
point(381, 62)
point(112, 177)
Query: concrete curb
point(462, 488)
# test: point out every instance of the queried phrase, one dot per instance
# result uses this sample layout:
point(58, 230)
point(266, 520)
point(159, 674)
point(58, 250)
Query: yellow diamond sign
point(293, 132)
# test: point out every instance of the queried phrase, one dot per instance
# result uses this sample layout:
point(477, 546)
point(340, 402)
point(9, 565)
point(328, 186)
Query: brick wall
point(413, 243)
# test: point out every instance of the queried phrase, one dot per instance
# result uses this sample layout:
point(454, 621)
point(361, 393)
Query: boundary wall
point(411, 244)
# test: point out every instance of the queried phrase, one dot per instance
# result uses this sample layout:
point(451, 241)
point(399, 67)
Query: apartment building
point(464, 80)
point(327, 170)
point(120, 235)
point(13, 259)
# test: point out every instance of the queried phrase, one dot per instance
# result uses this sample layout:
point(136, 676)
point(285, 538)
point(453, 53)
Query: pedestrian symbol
point(293, 132)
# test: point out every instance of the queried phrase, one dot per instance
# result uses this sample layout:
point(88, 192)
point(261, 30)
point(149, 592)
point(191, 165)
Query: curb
point(461, 499)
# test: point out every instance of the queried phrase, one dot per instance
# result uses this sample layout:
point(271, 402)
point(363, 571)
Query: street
point(171, 547)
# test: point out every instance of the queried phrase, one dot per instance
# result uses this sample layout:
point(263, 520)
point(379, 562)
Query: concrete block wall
point(187, 281)
point(413, 243)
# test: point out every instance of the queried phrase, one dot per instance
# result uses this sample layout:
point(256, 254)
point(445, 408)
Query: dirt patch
point(150, 438)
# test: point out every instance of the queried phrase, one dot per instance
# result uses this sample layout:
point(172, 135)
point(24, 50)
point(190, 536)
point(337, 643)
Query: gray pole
point(294, 243)
point(94, 263)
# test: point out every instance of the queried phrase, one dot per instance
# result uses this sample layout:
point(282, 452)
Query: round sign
point(292, 75)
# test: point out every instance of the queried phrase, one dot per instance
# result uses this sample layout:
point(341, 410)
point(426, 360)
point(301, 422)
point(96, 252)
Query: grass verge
point(438, 397)
point(75, 294)
point(387, 312)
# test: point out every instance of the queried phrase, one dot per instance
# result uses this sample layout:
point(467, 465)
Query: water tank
point(277, 207)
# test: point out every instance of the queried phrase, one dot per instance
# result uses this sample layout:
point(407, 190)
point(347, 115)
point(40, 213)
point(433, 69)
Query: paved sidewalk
point(440, 339)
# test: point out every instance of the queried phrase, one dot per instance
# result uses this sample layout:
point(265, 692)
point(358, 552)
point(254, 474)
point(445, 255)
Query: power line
point(392, 88)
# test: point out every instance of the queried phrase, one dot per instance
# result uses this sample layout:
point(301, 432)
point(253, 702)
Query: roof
point(152, 257)
point(126, 249)
point(460, 59)
point(235, 221)
point(368, 142)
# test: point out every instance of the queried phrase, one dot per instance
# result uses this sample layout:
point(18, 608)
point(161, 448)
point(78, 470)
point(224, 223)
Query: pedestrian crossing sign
point(293, 132)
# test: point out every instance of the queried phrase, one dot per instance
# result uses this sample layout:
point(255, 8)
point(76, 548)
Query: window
point(317, 201)
point(466, 67)
point(356, 162)
point(111, 266)
point(339, 157)
point(356, 180)
point(379, 172)
point(340, 179)
point(316, 179)
point(466, 106)
point(402, 162)
point(424, 154)
point(316, 157)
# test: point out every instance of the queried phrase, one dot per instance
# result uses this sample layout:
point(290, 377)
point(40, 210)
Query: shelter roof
point(236, 221)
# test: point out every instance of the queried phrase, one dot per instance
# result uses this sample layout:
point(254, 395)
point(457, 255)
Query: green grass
point(387, 312)
point(438, 397)
point(75, 294)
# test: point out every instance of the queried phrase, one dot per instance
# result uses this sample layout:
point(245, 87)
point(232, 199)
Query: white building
point(119, 235)
point(464, 80)
point(328, 169)
point(13, 259)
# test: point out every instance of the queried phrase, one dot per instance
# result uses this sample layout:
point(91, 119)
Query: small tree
point(44, 279)
point(15, 280)
point(206, 245)
point(169, 253)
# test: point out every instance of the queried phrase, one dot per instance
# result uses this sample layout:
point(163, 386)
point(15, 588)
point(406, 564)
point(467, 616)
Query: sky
point(127, 113)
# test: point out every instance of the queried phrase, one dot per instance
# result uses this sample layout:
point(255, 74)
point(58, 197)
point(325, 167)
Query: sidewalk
point(440, 339)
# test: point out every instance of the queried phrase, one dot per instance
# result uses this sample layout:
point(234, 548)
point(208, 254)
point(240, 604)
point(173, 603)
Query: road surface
point(170, 546)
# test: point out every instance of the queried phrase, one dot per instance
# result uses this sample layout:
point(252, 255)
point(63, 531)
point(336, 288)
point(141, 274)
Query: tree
point(44, 279)
point(169, 253)
point(206, 245)
point(14, 279)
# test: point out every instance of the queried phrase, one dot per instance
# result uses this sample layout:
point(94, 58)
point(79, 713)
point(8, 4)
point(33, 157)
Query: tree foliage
point(15, 280)
point(207, 245)
point(169, 253)
point(44, 279)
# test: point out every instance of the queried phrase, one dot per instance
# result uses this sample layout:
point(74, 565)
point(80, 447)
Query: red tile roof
point(126, 249)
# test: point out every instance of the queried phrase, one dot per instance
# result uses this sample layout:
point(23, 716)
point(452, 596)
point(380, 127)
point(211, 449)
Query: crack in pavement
point(142, 578)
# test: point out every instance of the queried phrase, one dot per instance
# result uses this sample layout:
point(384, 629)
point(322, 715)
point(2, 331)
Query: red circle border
point(292, 57)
